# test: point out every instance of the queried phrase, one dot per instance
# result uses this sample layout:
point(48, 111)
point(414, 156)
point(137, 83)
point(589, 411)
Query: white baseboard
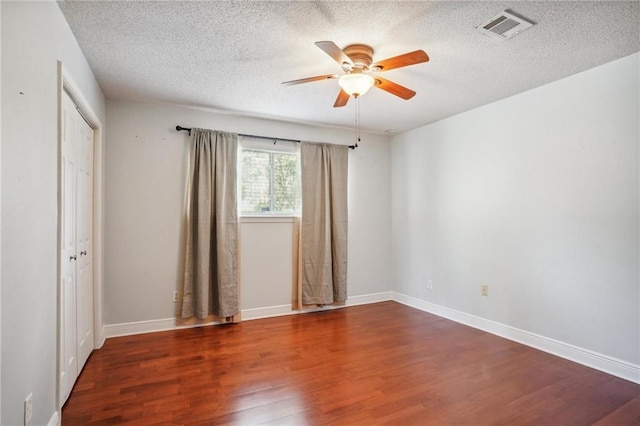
point(370, 298)
point(605, 363)
point(275, 311)
point(55, 420)
point(267, 312)
point(141, 327)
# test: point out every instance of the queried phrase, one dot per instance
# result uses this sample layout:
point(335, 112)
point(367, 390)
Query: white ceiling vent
point(504, 26)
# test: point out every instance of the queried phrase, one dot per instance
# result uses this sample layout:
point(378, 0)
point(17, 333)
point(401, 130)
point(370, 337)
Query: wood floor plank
point(626, 414)
point(382, 363)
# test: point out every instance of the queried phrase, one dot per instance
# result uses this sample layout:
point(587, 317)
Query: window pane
point(255, 182)
point(270, 182)
point(286, 183)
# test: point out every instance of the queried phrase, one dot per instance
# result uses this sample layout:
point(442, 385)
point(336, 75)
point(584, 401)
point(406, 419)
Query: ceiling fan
point(357, 63)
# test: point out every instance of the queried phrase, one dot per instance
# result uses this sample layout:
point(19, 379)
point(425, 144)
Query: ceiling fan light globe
point(356, 84)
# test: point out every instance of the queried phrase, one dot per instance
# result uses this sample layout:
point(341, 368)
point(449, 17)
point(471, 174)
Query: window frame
point(272, 147)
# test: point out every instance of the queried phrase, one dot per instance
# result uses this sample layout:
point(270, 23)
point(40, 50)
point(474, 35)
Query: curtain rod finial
point(180, 128)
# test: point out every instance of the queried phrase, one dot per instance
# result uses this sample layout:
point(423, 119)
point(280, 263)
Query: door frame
point(68, 84)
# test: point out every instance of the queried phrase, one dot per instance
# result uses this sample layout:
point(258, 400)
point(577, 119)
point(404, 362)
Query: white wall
point(145, 168)
point(34, 37)
point(266, 262)
point(537, 196)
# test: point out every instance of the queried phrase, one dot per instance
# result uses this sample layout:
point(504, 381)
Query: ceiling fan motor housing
point(361, 55)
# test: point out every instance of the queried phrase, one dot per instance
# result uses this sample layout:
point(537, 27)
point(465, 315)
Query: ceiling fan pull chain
point(357, 120)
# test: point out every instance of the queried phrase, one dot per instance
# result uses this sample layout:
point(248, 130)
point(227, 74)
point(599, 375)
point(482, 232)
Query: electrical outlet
point(485, 290)
point(28, 409)
point(175, 296)
point(430, 285)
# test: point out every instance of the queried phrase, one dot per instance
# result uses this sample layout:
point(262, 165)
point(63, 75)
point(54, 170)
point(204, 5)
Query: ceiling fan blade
point(411, 58)
point(334, 51)
point(394, 88)
point(310, 79)
point(342, 99)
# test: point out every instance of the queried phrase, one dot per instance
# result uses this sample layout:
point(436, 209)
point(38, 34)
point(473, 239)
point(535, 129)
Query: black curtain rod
point(188, 129)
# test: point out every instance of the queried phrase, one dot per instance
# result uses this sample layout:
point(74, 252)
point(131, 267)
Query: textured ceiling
point(233, 56)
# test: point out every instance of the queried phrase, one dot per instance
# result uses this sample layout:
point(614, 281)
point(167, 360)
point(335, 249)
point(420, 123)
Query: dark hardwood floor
point(383, 363)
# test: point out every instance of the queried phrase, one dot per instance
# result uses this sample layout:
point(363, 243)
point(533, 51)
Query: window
point(269, 177)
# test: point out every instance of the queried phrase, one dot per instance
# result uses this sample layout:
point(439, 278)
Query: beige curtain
point(323, 229)
point(210, 281)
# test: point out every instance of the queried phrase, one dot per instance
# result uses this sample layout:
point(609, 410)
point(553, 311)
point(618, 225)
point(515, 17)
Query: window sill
point(267, 218)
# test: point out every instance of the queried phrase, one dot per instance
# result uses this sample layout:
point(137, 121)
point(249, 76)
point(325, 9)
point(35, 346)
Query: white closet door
point(84, 229)
point(76, 261)
point(68, 259)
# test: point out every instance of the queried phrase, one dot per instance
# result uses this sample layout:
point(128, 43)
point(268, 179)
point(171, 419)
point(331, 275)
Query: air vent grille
point(504, 26)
